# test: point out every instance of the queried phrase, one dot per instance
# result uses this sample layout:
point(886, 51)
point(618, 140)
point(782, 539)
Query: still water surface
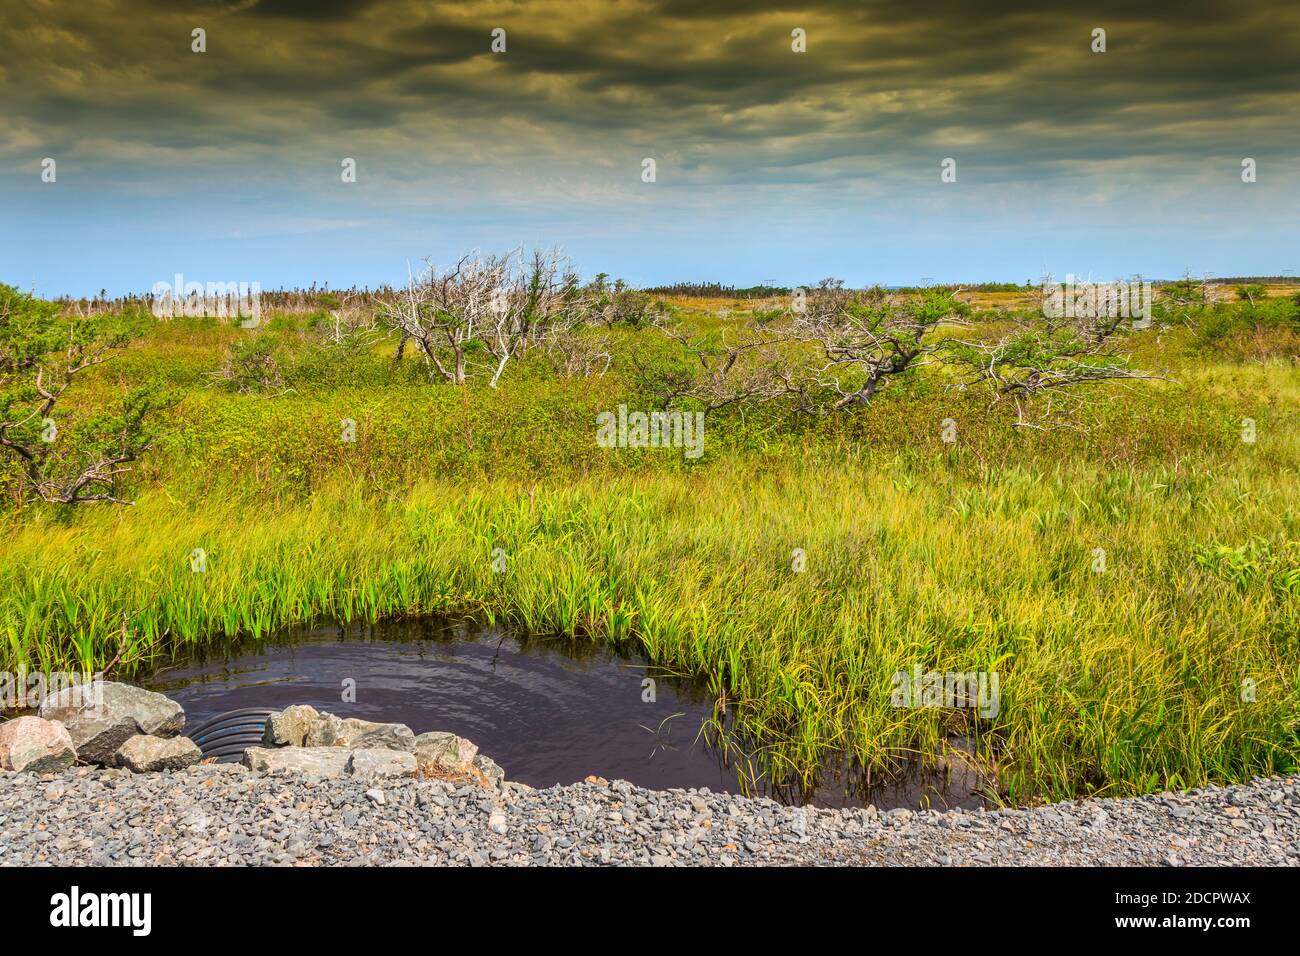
point(548, 712)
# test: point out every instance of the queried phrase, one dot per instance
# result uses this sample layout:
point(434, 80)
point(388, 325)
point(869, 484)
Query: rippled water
point(547, 712)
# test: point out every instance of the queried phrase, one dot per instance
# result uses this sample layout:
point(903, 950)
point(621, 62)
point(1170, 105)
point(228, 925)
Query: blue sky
point(770, 164)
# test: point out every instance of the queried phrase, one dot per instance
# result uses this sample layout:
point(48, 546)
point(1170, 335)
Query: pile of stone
point(106, 723)
point(301, 739)
point(117, 725)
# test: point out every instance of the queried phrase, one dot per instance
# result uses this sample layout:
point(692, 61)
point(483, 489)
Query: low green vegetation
point(1124, 555)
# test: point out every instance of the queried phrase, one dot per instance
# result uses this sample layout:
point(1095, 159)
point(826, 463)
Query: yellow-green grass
point(977, 556)
point(1123, 681)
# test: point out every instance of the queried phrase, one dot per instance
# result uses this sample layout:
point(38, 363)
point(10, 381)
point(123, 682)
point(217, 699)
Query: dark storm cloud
point(324, 10)
point(712, 84)
point(331, 11)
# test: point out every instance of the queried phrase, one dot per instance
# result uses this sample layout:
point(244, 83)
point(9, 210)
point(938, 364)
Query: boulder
point(303, 726)
point(381, 764)
point(312, 761)
point(100, 717)
point(36, 745)
point(491, 772)
point(289, 728)
point(146, 754)
point(440, 754)
point(357, 734)
point(98, 741)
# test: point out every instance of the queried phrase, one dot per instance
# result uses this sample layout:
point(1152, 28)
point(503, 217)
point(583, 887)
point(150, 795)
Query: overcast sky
point(770, 164)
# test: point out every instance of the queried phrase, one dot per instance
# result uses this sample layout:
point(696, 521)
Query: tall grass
point(1117, 682)
point(1177, 665)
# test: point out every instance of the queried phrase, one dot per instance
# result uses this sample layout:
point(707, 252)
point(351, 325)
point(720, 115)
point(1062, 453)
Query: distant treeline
point(308, 299)
point(323, 297)
point(717, 290)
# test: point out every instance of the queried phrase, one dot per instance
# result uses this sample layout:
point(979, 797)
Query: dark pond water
point(547, 712)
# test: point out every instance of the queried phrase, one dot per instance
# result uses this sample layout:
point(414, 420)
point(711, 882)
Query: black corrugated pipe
point(226, 736)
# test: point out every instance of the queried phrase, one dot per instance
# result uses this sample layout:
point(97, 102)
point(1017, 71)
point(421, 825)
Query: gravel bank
point(228, 815)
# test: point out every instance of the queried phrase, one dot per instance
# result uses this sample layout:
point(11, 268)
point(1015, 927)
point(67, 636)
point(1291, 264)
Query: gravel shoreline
point(228, 815)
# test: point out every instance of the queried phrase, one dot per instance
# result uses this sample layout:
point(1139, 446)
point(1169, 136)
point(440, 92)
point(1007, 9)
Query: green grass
point(974, 557)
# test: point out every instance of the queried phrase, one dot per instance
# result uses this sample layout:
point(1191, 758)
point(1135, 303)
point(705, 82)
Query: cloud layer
point(552, 132)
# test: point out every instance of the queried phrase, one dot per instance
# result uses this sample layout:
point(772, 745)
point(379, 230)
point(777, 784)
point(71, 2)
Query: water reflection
point(549, 712)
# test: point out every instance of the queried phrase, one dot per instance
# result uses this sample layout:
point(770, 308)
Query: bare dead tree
point(531, 303)
point(718, 373)
point(497, 302)
point(866, 339)
point(554, 298)
point(1047, 351)
point(577, 353)
point(834, 349)
point(439, 310)
point(351, 317)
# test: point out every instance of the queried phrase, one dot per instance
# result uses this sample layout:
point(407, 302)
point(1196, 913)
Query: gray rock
point(381, 764)
point(229, 815)
point(289, 728)
point(100, 716)
point(147, 754)
point(332, 731)
point(36, 745)
point(312, 761)
point(494, 775)
point(440, 753)
point(304, 726)
point(98, 741)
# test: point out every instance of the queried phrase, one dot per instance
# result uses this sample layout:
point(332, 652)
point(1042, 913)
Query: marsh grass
point(970, 557)
point(1119, 682)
